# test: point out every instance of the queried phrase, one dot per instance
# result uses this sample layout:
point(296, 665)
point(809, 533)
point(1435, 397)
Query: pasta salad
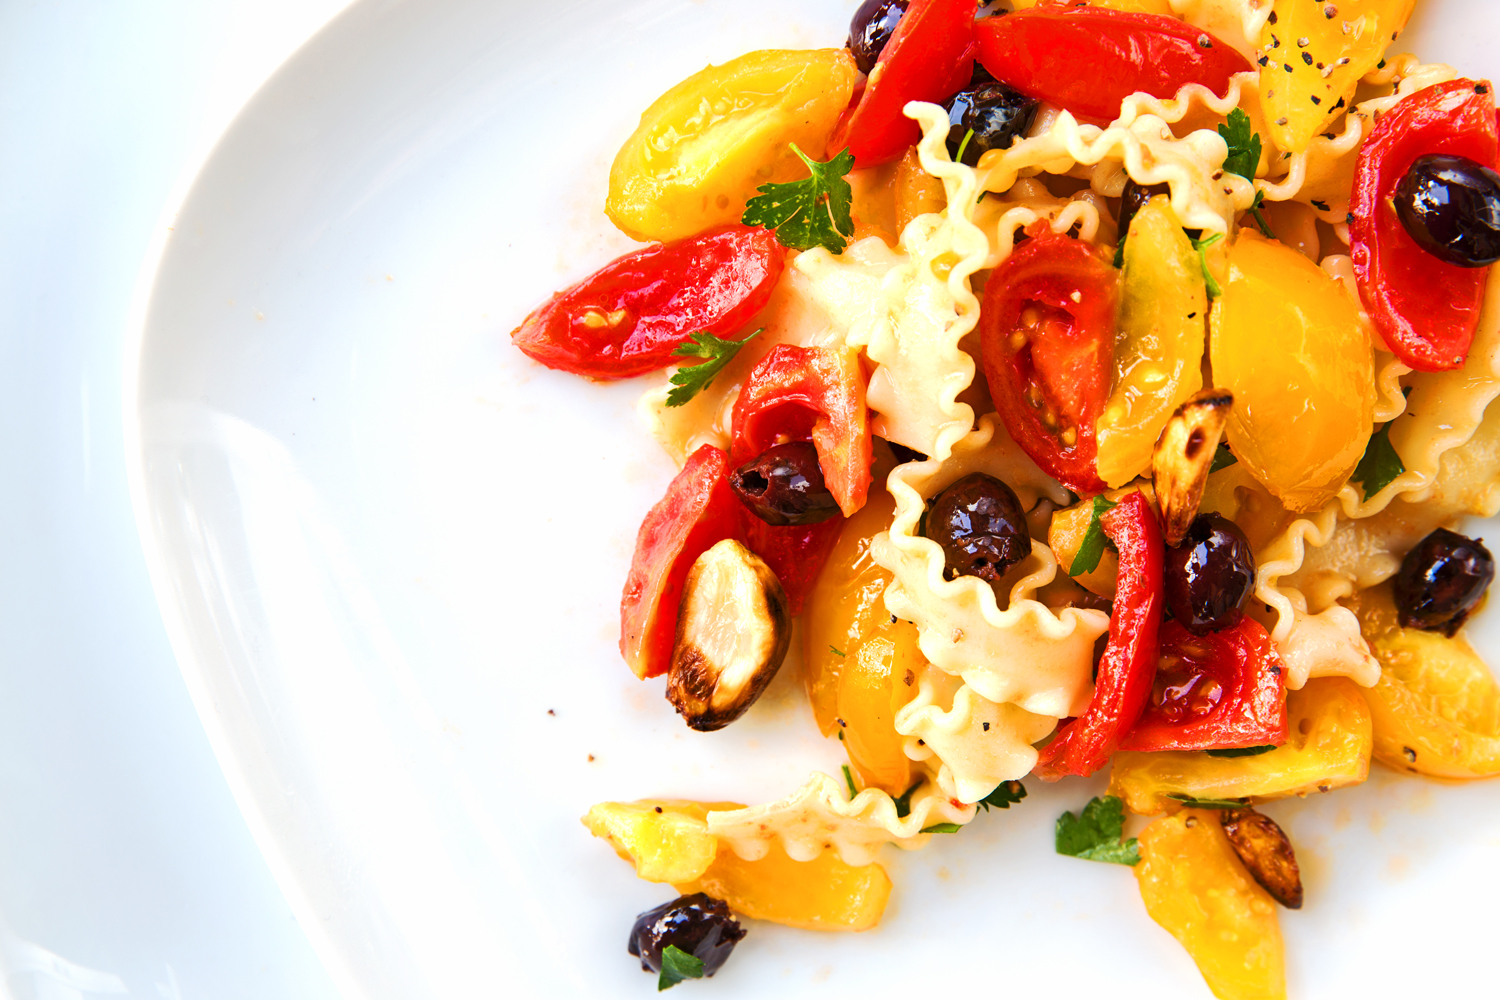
point(1063, 388)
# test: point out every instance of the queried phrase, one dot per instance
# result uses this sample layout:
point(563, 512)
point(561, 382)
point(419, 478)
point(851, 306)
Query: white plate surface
point(389, 551)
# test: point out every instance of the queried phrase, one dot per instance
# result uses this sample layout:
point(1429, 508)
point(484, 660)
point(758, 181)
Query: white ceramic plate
point(389, 550)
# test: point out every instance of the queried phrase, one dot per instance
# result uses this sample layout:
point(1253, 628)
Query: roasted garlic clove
point(1266, 853)
point(733, 631)
point(1184, 453)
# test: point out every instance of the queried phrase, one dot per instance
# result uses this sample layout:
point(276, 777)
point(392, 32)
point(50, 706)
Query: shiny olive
point(784, 485)
point(995, 114)
point(1134, 198)
point(980, 525)
point(1208, 576)
point(873, 25)
point(1441, 580)
point(1451, 206)
point(699, 925)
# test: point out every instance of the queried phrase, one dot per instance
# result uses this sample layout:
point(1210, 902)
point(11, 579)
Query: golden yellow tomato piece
point(705, 145)
point(917, 192)
point(1436, 708)
point(666, 839)
point(821, 895)
point(1315, 53)
point(1065, 534)
point(1287, 340)
point(876, 681)
point(1158, 341)
point(1328, 746)
point(1194, 885)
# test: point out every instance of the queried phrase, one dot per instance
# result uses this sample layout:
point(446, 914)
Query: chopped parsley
point(1086, 560)
point(677, 965)
point(1223, 458)
point(849, 778)
point(693, 379)
point(1006, 794)
point(1209, 282)
point(1380, 465)
point(1192, 803)
point(835, 651)
point(808, 213)
point(942, 828)
point(903, 801)
point(959, 157)
point(1094, 834)
point(1244, 158)
point(1242, 751)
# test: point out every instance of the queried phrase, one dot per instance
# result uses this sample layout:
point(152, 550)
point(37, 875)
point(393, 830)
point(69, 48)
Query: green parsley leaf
point(1243, 143)
point(677, 965)
point(942, 828)
point(1095, 833)
point(808, 213)
point(1242, 751)
point(1214, 291)
point(1380, 465)
point(1223, 458)
point(903, 801)
point(849, 780)
point(693, 379)
point(1086, 560)
point(1004, 796)
point(1192, 803)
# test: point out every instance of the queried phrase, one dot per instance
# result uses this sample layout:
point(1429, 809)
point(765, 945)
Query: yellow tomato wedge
point(668, 841)
point(1158, 341)
point(1436, 709)
point(1315, 52)
point(705, 145)
point(875, 682)
point(820, 895)
point(1287, 340)
point(1328, 746)
point(1195, 886)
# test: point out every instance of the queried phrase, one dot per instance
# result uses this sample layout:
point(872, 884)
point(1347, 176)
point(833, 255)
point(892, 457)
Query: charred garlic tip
point(1184, 453)
point(733, 631)
point(1267, 854)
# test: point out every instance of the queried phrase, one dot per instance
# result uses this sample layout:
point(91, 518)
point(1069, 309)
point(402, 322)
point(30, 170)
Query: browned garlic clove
point(1184, 453)
point(1266, 853)
point(733, 631)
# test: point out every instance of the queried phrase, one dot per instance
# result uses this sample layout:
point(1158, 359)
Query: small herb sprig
point(1095, 833)
point(693, 379)
point(813, 212)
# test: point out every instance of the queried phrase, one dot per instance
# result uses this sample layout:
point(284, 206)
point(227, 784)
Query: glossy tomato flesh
point(1047, 327)
point(628, 317)
point(1426, 309)
point(1089, 59)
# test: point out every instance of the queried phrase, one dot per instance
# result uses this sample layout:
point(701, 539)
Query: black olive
point(698, 924)
point(1441, 580)
point(980, 525)
point(1209, 575)
point(1451, 206)
point(784, 485)
point(996, 114)
point(873, 25)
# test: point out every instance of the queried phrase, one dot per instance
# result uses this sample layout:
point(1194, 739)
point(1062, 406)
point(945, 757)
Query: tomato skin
point(1068, 358)
point(930, 57)
point(1128, 665)
point(794, 552)
point(1089, 59)
point(658, 296)
point(1252, 708)
point(698, 512)
point(1425, 308)
point(792, 386)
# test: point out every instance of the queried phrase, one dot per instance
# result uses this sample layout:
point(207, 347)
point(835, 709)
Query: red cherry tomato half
point(929, 57)
point(1128, 665)
point(628, 317)
point(797, 393)
point(1047, 332)
point(1213, 692)
point(1426, 309)
point(1089, 59)
point(697, 513)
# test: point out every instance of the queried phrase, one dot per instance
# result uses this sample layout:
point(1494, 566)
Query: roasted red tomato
point(930, 57)
point(1213, 692)
point(1047, 331)
point(797, 393)
point(1129, 663)
point(698, 512)
point(1425, 308)
point(1089, 59)
point(795, 553)
point(628, 317)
